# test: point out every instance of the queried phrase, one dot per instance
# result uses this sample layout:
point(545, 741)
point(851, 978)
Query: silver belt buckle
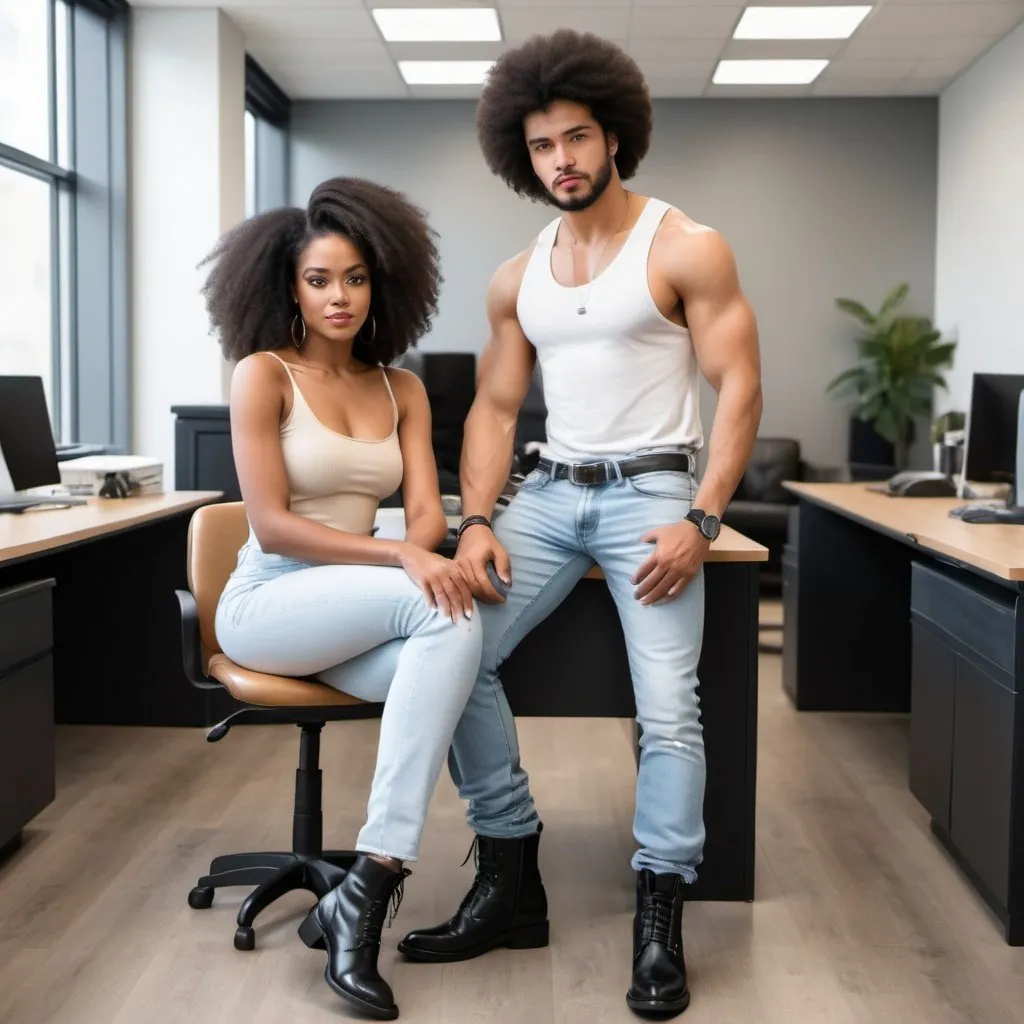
point(587, 480)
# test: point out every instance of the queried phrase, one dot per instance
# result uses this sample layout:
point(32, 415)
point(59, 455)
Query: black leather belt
point(589, 473)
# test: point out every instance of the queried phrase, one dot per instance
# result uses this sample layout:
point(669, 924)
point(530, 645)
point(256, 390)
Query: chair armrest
point(191, 644)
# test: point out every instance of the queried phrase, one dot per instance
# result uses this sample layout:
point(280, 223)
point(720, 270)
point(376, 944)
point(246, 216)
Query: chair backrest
point(772, 460)
point(215, 534)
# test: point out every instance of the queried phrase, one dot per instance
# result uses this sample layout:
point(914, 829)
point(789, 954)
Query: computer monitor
point(28, 454)
point(993, 425)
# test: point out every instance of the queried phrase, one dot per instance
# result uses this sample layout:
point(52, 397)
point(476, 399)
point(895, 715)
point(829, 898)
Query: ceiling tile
point(921, 86)
point(445, 92)
point(918, 47)
point(941, 20)
point(521, 23)
point(946, 68)
point(672, 88)
point(756, 91)
point(678, 69)
point(446, 51)
point(527, 4)
point(674, 49)
point(352, 23)
point(318, 55)
point(861, 70)
point(683, 22)
point(863, 87)
point(783, 48)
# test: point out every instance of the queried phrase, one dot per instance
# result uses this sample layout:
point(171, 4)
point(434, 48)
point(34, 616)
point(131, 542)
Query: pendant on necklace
point(581, 310)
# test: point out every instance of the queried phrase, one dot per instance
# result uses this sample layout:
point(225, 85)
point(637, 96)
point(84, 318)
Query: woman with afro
point(313, 305)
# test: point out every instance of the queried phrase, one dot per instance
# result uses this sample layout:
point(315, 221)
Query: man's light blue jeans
point(366, 630)
point(554, 531)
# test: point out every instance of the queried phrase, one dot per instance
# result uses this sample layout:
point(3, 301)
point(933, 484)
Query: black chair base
point(308, 866)
point(273, 874)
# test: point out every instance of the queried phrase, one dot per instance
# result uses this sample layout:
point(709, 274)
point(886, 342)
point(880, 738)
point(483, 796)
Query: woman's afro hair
point(249, 289)
point(577, 67)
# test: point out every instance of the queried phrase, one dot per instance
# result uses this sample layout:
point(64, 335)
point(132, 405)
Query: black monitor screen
point(26, 435)
point(992, 427)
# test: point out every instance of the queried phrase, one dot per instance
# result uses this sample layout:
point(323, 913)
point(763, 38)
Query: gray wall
point(819, 198)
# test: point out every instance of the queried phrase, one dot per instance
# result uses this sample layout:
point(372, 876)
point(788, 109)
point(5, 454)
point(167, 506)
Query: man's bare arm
point(505, 370)
point(725, 337)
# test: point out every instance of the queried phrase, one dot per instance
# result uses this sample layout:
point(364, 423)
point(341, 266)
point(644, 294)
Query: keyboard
point(22, 502)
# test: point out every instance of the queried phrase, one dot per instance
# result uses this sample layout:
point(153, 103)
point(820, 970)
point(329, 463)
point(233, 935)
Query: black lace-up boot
point(505, 906)
point(659, 973)
point(348, 922)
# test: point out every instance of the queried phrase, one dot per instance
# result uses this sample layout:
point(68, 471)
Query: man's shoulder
point(683, 244)
point(508, 278)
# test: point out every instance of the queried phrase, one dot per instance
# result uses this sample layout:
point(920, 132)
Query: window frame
point(88, 297)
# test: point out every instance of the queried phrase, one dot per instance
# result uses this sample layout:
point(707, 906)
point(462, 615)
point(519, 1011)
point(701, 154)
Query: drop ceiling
point(334, 49)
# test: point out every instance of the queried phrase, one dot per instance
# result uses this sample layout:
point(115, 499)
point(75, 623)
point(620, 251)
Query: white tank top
point(622, 378)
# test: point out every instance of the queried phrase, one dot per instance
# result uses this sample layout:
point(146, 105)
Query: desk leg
point(849, 648)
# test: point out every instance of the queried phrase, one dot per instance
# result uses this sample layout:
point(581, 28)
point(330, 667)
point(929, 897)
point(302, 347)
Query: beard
point(580, 202)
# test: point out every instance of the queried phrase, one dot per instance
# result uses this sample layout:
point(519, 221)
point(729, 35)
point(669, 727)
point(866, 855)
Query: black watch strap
point(472, 521)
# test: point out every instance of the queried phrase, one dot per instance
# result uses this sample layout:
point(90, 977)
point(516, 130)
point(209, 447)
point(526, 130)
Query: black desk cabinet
point(26, 707)
point(967, 729)
point(203, 459)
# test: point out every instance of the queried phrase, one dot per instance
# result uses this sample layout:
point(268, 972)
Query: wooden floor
point(859, 916)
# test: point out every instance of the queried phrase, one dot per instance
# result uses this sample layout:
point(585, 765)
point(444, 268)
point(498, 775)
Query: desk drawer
point(26, 623)
point(27, 777)
point(977, 616)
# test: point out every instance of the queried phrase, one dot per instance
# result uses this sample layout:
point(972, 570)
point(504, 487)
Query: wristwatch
point(709, 525)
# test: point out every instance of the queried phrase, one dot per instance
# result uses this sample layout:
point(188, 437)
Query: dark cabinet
point(27, 774)
point(966, 726)
point(203, 459)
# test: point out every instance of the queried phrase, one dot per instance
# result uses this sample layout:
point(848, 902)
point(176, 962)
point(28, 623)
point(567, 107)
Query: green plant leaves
point(899, 359)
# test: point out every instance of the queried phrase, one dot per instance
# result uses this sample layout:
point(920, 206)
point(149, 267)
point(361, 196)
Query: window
point(267, 112)
point(63, 240)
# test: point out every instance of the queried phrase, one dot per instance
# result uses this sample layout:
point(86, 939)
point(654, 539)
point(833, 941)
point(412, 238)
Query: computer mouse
point(981, 515)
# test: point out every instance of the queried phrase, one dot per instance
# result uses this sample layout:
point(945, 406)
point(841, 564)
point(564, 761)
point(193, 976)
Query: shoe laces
point(373, 921)
point(656, 920)
point(483, 881)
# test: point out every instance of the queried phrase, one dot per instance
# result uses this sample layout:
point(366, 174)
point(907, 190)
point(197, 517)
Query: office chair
point(216, 532)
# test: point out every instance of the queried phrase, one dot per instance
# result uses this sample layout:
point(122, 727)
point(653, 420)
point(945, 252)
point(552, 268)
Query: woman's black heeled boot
point(348, 921)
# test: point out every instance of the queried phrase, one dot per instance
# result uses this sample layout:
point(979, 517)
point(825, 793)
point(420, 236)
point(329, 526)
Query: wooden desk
point(574, 663)
point(892, 605)
point(990, 548)
point(116, 564)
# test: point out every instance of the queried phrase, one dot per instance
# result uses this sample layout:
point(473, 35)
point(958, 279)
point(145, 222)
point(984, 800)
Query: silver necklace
point(581, 309)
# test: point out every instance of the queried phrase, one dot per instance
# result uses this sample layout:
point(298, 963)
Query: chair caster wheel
point(245, 938)
point(200, 898)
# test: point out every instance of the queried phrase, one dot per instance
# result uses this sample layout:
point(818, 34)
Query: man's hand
point(477, 547)
point(678, 554)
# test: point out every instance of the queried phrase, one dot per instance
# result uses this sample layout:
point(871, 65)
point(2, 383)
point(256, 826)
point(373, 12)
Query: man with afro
point(625, 301)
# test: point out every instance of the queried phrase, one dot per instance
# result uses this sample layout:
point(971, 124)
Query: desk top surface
point(995, 548)
point(39, 530)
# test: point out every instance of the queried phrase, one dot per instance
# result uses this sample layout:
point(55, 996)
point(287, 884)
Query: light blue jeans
point(554, 531)
point(368, 631)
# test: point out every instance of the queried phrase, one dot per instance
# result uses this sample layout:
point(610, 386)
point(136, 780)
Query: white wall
point(979, 280)
point(819, 198)
point(188, 187)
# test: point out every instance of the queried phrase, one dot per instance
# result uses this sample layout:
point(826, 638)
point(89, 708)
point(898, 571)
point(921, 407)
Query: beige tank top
point(334, 479)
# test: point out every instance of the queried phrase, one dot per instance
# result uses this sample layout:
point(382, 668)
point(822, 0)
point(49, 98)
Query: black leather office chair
point(216, 532)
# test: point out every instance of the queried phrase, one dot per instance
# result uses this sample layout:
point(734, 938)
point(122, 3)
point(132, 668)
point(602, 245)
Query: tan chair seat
point(269, 691)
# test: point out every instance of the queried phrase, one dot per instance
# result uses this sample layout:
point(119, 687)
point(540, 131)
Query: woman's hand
point(440, 579)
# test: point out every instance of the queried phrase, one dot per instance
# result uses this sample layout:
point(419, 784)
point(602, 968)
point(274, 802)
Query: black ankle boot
point(659, 973)
point(348, 921)
point(505, 906)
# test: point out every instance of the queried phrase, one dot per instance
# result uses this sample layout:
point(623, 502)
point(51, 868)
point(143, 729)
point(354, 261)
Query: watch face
point(711, 527)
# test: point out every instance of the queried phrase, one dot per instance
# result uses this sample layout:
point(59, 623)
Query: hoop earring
point(373, 333)
point(297, 342)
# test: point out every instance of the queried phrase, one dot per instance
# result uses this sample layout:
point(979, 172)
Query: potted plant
point(900, 358)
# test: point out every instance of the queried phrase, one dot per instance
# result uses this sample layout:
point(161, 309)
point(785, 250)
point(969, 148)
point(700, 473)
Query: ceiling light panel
point(438, 24)
point(800, 22)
